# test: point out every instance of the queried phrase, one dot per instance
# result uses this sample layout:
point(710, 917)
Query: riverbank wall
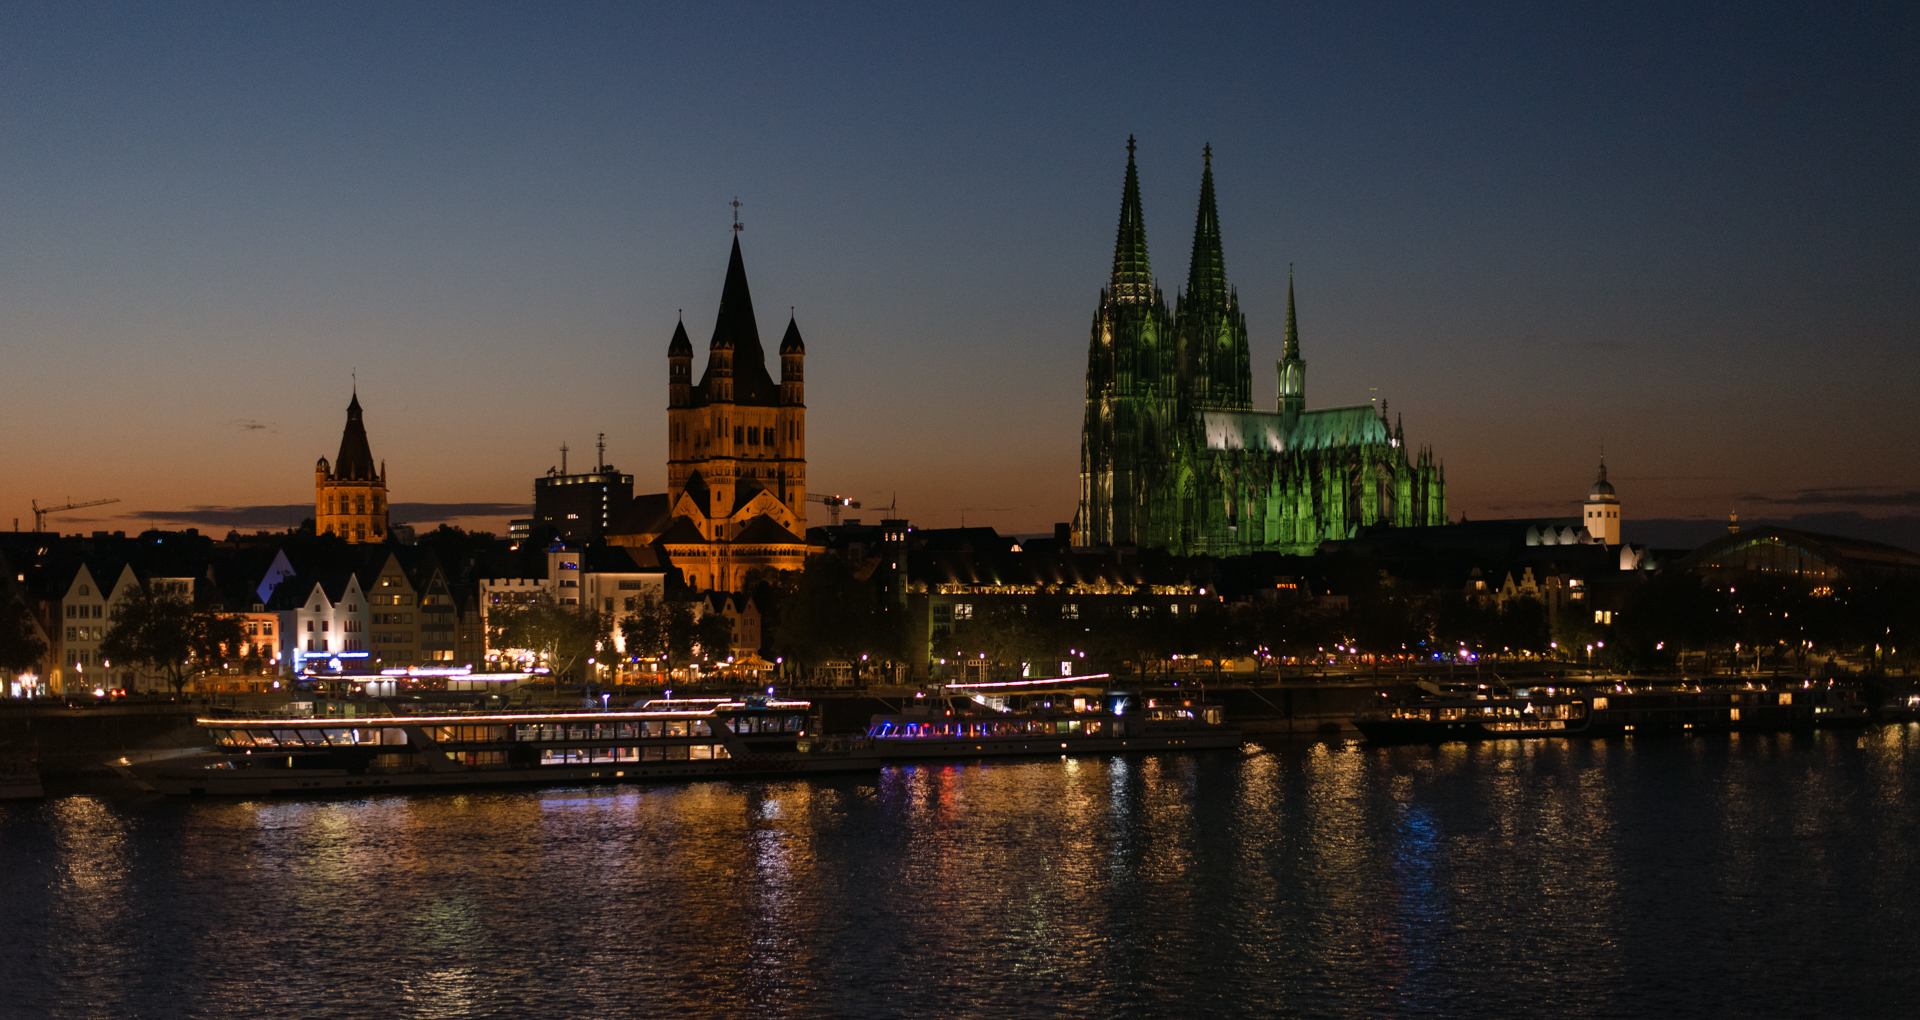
point(75, 741)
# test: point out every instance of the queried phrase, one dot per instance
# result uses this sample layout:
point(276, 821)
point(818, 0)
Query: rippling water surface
point(1750, 875)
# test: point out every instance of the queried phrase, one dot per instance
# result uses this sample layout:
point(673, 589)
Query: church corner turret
point(679, 367)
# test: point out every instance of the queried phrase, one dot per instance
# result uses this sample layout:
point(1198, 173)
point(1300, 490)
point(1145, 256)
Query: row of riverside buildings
point(316, 602)
point(354, 588)
point(1187, 493)
point(311, 601)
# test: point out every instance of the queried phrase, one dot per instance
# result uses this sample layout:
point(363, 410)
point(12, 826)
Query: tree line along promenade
point(895, 605)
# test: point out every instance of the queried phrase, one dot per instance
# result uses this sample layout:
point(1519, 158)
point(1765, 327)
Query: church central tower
point(736, 447)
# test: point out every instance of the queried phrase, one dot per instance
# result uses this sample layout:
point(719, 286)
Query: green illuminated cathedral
point(1174, 456)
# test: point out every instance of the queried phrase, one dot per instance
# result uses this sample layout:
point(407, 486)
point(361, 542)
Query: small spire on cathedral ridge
point(1293, 323)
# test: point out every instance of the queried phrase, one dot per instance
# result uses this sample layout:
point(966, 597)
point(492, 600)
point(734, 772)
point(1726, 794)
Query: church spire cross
point(737, 225)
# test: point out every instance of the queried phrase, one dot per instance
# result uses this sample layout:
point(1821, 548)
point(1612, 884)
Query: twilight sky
point(1693, 238)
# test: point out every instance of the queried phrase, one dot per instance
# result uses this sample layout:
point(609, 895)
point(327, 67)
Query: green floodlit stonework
point(1173, 455)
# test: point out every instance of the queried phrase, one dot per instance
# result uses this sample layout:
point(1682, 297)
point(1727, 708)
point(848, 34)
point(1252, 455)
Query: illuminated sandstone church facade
point(350, 495)
point(1173, 454)
point(736, 448)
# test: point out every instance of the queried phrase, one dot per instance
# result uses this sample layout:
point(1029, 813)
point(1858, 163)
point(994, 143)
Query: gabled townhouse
point(743, 615)
point(322, 619)
point(237, 593)
point(413, 611)
point(87, 612)
point(79, 626)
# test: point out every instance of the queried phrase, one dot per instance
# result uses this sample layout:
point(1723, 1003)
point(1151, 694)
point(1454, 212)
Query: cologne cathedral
point(1173, 454)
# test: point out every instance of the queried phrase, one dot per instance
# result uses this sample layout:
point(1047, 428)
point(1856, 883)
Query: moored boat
point(1088, 721)
point(1611, 711)
point(659, 740)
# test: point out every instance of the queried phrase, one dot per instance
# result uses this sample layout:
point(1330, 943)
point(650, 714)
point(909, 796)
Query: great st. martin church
point(1173, 455)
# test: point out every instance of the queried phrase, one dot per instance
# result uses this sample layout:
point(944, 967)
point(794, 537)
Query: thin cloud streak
point(283, 514)
point(1844, 495)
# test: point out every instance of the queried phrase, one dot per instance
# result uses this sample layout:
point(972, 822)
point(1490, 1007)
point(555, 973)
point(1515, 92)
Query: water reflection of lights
point(89, 901)
point(1323, 879)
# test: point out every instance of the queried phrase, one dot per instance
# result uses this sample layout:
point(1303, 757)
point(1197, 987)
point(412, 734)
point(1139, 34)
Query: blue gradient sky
point(1534, 229)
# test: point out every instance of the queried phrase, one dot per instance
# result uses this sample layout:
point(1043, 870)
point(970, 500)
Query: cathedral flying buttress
point(1174, 456)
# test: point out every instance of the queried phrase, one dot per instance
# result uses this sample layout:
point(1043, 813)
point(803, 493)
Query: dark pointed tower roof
point(680, 346)
point(1132, 275)
point(1293, 324)
point(735, 324)
point(355, 463)
point(736, 329)
point(791, 343)
point(1207, 274)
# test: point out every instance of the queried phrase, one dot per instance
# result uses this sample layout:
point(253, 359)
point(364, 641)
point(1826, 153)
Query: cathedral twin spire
point(1211, 358)
point(1207, 273)
point(1132, 275)
point(1132, 272)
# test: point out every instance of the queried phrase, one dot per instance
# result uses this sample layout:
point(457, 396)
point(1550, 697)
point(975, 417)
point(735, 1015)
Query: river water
point(1730, 875)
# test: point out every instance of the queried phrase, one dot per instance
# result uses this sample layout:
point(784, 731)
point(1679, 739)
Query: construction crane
point(833, 505)
point(40, 512)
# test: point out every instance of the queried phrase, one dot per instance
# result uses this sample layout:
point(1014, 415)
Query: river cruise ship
point(659, 740)
point(1088, 721)
point(1610, 711)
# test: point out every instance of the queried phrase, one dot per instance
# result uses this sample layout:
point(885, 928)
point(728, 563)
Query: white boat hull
point(199, 775)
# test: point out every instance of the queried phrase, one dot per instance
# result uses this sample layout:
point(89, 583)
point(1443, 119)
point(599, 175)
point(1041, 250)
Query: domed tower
point(1603, 510)
point(350, 497)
